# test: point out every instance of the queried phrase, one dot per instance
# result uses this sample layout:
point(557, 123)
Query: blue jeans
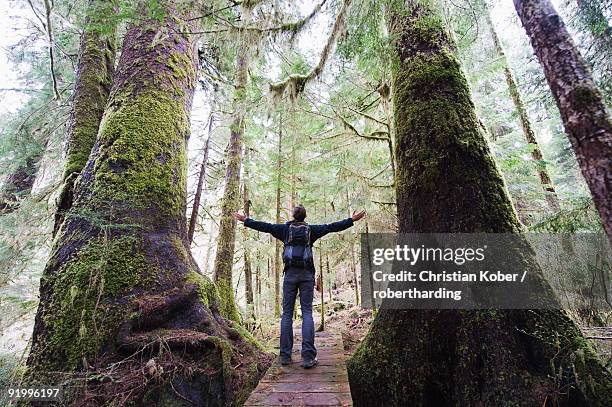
point(303, 281)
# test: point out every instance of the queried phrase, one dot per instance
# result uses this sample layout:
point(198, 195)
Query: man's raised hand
point(358, 215)
point(239, 216)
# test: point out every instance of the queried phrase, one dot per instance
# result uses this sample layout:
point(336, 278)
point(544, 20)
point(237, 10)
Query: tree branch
point(296, 82)
point(48, 8)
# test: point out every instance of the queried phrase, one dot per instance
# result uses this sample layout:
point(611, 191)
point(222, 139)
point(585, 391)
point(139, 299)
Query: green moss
point(206, 288)
point(248, 337)
point(439, 138)
point(80, 314)
point(227, 306)
point(142, 159)
point(94, 79)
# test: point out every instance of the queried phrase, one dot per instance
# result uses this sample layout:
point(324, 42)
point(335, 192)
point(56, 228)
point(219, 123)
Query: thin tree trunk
point(352, 249)
point(536, 154)
point(372, 299)
point(447, 182)
point(49, 29)
point(248, 278)
point(269, 274)
point(227, 228)
point(209, 247)
point(121, 294)
point(322, 323)
point(94, 77)
point(202, 176)
point(584, 115)
point(331, 298)
point(384, 96)
point(258, 284)
point(277, 252)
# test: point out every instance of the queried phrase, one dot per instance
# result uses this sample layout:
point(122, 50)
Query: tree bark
point(447, 182)
point(587, 123)
point(94, 77)
point(224, 259)
point(202, 176)
point(536, 154)
point(121, 296)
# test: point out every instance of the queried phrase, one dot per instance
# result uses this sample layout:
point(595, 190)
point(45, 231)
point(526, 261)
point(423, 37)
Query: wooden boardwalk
point(324, 385)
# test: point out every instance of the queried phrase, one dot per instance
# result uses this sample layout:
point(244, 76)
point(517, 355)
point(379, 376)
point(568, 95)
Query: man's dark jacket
point(280, 230)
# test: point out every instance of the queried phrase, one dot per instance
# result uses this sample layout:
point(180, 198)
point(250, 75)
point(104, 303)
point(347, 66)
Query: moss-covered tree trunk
point(586, 120)
point(121, 298)
point(226, 241)
point(447, 182)
point(94, 76)
point(536, 153)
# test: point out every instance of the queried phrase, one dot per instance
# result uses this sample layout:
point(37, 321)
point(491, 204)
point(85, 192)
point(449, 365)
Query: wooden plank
point(300, 399)
point(324, 385)
point(297, 377)
point(296, 369)
point(326, 360)
point(308, 387)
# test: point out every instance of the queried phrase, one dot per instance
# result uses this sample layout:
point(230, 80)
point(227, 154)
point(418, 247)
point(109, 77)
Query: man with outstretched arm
point(298, 238)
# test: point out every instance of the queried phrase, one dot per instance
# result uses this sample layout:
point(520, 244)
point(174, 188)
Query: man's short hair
point(299, 213)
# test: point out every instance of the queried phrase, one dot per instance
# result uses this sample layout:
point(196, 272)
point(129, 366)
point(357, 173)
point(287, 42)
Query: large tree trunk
point(121, 299)
point(94, 77)
point(584, 115)
point(447, 182)
point(193, 219)
point(226, 242)
point(536, 154)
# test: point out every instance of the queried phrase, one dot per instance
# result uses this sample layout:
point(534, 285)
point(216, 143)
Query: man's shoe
point(285, 360)
point(307, 364)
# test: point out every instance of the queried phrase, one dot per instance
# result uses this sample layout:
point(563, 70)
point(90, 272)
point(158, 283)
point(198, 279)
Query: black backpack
point(298, 250)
